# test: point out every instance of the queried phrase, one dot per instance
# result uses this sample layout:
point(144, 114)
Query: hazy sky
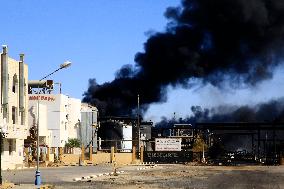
point(98, 37)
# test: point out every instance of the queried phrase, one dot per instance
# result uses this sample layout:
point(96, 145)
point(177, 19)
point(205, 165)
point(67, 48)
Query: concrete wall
point(123, 158)
point(16, 157)
point(70, 158)
point(120, 158)
point(100, 158)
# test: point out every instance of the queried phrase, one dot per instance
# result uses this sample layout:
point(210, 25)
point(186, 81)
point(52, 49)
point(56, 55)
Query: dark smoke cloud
point(215, 41)
point(272, 111)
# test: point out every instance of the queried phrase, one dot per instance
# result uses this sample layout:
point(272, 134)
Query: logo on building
point(45, 98)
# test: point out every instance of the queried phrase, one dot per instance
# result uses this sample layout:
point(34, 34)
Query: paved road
point(54, 174)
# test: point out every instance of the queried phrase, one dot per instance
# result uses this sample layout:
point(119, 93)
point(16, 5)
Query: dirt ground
point(188, 176)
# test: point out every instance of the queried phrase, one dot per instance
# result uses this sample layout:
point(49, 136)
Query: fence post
point(142, 154)
point(91, 153)
point(48, 154)
point(100, 143)
point(133, 154)
point(60, 154)
point(112, 155)
point(83, 153)
point(27, 155)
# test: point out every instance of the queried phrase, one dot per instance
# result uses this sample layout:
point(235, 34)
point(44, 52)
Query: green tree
point(199, 144)
point(73, 143)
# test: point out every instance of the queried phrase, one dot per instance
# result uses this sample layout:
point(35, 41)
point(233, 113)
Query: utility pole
point(92, 128)
point(138, 121)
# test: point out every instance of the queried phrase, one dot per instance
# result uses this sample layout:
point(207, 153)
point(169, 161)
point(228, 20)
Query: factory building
point(14, 103)
point(59, 118)
point(123, 133)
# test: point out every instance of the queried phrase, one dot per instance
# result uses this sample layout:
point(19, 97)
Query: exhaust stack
point(4, 81)
point(21, 88)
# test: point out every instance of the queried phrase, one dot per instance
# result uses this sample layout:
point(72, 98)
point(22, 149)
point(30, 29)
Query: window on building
point(11, 146)
point(14, 114)
point(15, 84)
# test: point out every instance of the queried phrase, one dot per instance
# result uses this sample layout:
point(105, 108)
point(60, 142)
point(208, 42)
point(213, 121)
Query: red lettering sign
point(42, 98)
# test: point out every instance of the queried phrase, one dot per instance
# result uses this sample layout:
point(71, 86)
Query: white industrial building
point(59, 118)
point(14, 103)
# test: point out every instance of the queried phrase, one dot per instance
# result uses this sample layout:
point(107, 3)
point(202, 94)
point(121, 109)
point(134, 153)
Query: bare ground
point(185, 176)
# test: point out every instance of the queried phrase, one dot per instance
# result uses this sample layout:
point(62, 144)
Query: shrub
point(73, 143)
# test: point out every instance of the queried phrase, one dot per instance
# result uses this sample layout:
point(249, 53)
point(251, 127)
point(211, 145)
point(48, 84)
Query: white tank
point(126, 144)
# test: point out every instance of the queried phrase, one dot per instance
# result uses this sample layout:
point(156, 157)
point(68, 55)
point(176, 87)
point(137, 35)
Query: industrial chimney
point(21, 88)
point(4, 81)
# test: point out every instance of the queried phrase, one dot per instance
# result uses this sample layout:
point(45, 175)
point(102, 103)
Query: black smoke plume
point(211, 40)
point(272, 111)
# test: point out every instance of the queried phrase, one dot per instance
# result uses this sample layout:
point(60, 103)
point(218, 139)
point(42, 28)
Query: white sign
point(167, 144)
